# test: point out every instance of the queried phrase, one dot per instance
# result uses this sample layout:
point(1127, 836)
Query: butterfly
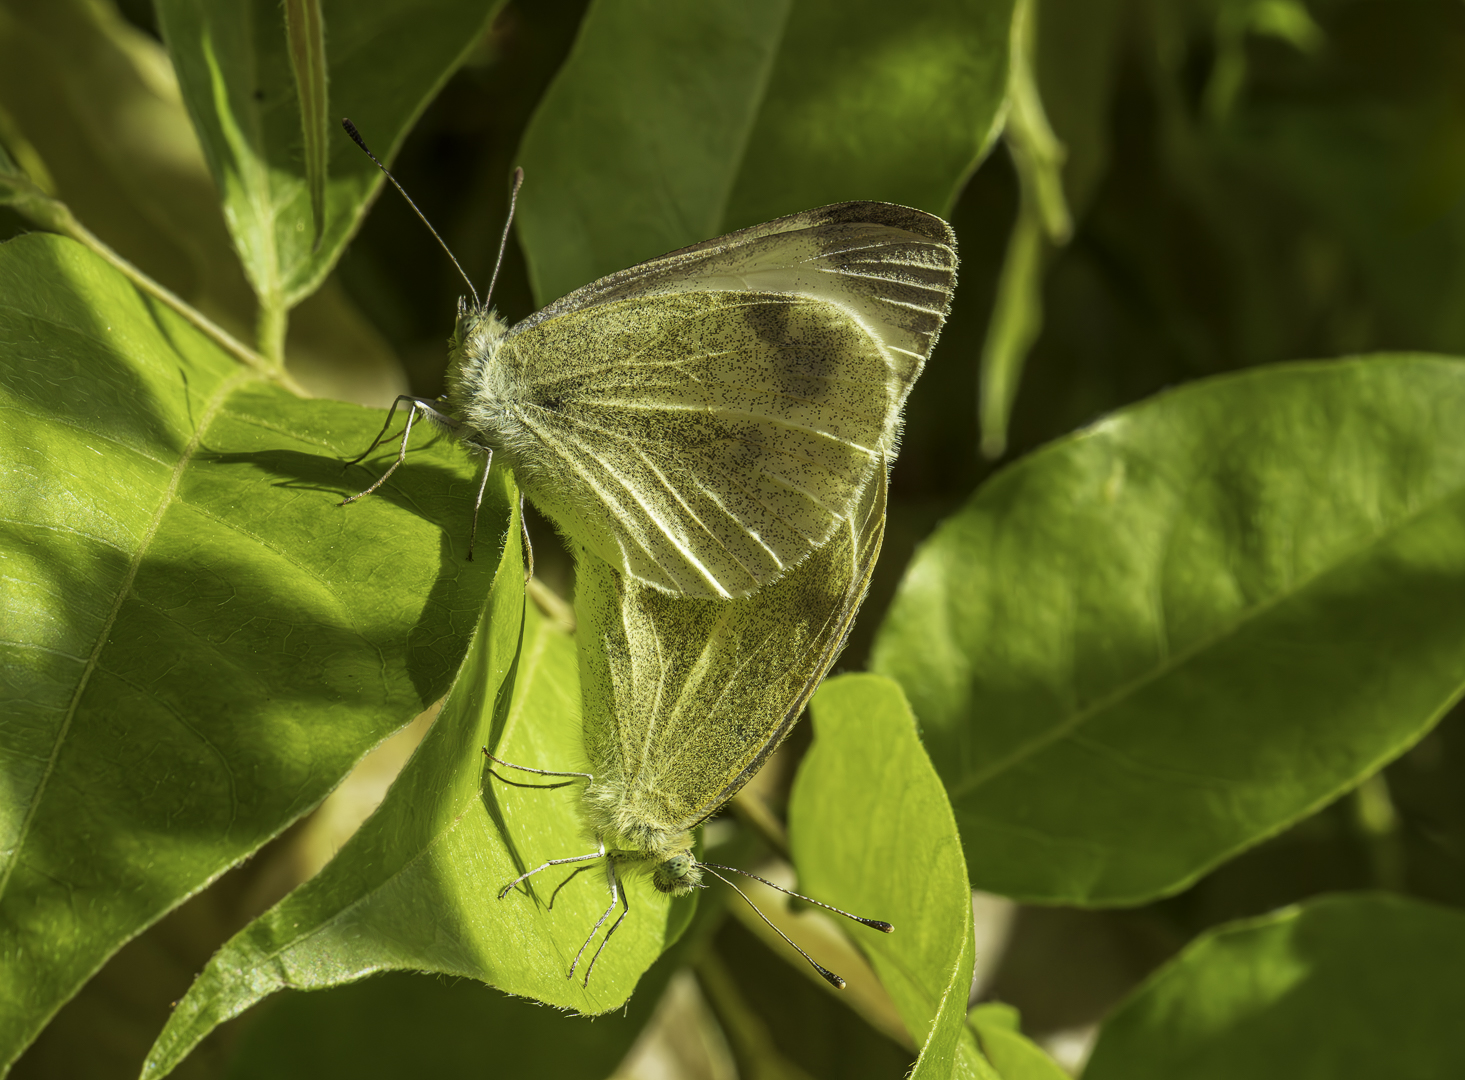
point(704, 420)
point(684, 701)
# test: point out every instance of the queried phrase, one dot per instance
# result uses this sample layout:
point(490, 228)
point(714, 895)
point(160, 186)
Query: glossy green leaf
point(197, 643)
point(1013, 1056)
point(385, 58)
point(897, 859)
point(399, 1023)
point(417, 887)
point(1346, 987)
point(1152, 644)
point(670, 125)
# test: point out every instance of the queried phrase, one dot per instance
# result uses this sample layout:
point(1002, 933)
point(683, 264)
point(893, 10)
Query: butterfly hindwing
point(685, 699)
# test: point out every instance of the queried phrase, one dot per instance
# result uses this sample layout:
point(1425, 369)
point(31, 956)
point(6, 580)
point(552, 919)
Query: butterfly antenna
point(359, 141)
point(830, 977)
point(874, 924)
point(509, 224)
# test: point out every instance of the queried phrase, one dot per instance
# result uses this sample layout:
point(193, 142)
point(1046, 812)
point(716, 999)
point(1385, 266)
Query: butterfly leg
point(478, 503)
point(537, 772)
point(417, 405)
point(528, 547)
point(617, 895)
point(572, 876)
point(391, 415)
point(600, 854)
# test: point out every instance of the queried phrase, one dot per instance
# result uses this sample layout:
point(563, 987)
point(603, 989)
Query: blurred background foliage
point(1245, 182)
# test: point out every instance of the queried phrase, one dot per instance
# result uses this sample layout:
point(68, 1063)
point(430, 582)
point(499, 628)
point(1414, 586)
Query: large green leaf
point(1159, 641)
point(386, 59)
point(401, 1023)
point(1343, 988)
point(197, 644)
point(669, 125)
point(897, 859)
point(417, 887)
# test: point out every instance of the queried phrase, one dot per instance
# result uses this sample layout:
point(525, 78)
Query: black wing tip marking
point(925, 225)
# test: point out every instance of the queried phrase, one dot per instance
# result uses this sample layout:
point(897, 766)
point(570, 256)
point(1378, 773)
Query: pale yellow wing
point(705, 420)
point(722, 436)
point(685, 699)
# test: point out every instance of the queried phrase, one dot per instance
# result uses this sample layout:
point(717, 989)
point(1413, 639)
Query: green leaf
point(386, 60)
point(305, 39)
point(1342, 987)
point(894, 859)
point(1013, 1056)
point(398, 1024)
point(1157, 642)
point(669, 125)
point(197, 645)
point(417, 887)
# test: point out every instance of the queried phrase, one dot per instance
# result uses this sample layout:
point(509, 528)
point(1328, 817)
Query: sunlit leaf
point(198, 644)
point(897, 859)
point(417, 888)
point(386, 59)
point(667, 126)
point(1346, 987)
point(1155, 643)
point(402, 1023)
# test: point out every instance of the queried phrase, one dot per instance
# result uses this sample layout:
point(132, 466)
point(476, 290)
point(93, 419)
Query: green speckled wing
point(685, 699)
point(706, 420)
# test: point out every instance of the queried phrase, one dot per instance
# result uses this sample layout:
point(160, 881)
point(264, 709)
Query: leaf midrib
point(124, 589)
point(1175, 661)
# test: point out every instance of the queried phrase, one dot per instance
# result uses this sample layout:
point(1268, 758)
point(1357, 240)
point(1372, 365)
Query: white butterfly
point(705, 420)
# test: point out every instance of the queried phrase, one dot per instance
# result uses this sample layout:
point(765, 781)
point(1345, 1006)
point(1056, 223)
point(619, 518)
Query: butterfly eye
point(677, 875)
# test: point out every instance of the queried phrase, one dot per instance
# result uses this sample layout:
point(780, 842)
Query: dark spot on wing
point(769, 320)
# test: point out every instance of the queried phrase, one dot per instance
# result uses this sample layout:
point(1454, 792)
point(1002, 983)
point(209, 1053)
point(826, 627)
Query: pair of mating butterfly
point(704, 423)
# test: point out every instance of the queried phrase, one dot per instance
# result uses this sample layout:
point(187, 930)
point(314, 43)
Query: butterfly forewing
point(718, 409)
point(724, 435)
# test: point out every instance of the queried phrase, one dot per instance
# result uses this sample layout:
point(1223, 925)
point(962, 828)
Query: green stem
point(274, 319)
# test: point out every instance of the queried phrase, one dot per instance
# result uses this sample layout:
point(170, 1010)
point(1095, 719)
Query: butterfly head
point(678, 874)
point(477, 330)
point(475, 341)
